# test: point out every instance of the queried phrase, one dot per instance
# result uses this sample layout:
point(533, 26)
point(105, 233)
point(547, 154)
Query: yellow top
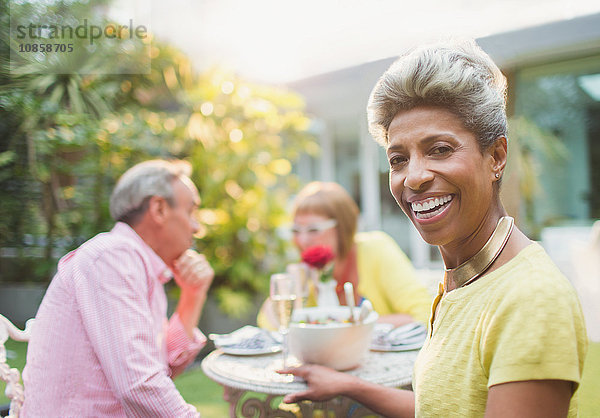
point(522, 321)
point(386, 278)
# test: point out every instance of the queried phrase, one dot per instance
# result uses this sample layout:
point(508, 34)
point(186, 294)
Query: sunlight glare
point(276, 41)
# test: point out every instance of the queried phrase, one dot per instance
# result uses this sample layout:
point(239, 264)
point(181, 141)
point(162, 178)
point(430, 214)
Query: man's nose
point(418, 174)
point(195, 225)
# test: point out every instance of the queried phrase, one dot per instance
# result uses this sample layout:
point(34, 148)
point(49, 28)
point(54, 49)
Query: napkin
point(406, 337)
point(247, 337)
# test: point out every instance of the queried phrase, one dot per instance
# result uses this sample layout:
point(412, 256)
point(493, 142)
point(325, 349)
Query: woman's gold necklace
point(474, 267)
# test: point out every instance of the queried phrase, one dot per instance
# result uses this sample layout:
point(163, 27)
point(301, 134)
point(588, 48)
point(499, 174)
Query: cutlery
point(365, 309)
point(349, 291)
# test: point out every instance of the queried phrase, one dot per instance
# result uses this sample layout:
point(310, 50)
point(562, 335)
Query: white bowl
point(339, 345)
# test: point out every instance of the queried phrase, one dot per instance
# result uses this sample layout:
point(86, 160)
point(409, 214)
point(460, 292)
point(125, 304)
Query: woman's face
point(439, 176)
point(311, 229)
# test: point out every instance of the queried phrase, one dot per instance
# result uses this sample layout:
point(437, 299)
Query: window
point(563, 99)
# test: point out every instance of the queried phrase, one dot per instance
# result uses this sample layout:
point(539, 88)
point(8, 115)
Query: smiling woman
point(440, 113)
point(504, 312)
point(433, 158)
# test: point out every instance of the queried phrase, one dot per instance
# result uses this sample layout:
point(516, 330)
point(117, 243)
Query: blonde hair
point(332, 201)
point(457, 76)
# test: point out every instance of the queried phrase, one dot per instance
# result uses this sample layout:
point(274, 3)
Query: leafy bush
point(66, 138)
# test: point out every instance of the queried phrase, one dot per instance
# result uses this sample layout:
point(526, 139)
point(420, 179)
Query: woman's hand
point(323, 383)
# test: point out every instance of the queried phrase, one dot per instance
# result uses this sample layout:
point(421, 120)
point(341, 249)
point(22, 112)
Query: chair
point(12, 377)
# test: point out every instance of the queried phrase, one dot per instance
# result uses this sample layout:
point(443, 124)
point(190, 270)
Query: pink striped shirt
point(102, 344)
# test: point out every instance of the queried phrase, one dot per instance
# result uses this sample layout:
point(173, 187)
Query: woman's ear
point(498, 154)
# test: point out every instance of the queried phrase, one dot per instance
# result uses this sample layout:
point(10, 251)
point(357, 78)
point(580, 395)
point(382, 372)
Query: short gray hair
point(130, 197)
point(457, 76)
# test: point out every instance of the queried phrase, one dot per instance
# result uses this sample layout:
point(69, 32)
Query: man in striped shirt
point(102, 344)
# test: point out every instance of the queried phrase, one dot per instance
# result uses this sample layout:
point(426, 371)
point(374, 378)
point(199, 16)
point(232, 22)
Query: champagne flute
point(299, 273)
point(283, 295)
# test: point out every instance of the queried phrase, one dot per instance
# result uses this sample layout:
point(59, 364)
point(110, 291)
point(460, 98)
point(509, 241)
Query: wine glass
point(300, 275)
point(283, 296)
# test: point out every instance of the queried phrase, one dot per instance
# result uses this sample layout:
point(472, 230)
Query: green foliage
point(245, 189)
point(66, 138)
point(16, 356)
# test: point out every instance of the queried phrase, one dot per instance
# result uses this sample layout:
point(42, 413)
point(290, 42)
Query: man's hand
point(193, 275)
point(193, 272)
point(323, 383)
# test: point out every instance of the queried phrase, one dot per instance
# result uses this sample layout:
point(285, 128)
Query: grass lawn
point(207, 395)
point(589, 390)
point(203, 393)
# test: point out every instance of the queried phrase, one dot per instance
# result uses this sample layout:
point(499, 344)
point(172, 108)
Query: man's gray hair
point(130, 197)
point(457, 76)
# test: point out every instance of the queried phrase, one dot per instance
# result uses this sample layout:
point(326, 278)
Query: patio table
point(244, 377)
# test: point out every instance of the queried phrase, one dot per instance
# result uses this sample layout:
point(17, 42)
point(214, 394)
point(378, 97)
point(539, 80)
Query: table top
point(258, 373)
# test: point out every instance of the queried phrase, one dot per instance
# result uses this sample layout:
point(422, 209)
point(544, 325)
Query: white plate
point(241, 351)
point(400, 347)
point(246, 341)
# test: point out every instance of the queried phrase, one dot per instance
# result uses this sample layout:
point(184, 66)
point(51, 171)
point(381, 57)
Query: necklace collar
point(470, 270)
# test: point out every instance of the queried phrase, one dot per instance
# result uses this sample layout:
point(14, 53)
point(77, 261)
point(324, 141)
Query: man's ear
point(498, 155)
point(157, 209)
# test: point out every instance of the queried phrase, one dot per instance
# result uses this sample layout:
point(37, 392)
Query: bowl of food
point(327, 336)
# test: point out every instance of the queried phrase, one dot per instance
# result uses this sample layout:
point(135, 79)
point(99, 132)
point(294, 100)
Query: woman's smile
point(430, 208)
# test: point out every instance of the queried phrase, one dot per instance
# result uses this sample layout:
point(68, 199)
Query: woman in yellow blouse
point(507, 335)
point(325, 214)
